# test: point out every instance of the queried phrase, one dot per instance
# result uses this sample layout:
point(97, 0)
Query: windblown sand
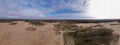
point(22, 33)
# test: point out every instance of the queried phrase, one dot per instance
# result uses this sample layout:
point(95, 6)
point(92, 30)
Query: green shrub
point(36, 23)
point(92, 36)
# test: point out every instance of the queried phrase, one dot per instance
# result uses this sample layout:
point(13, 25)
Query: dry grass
point(75, 35)
point(114, 24)
point(65, 27)
point(13, 23)
point(36, 23)
point(92, 36)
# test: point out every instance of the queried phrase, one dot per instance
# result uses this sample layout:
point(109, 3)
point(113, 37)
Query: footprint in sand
point(5, 38)
point(6, 35)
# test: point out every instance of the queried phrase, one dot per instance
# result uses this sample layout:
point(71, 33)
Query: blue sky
point(43, 9)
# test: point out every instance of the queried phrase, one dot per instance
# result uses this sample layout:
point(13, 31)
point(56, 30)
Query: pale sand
point(17, 35)
point(43, 35)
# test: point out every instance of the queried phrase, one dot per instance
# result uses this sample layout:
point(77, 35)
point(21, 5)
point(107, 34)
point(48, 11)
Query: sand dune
point(22, 33)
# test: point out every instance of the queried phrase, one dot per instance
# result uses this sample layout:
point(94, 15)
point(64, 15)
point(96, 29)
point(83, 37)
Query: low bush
point(92, 36)
point(12, 23)
point(36, 23)
point(66, 27)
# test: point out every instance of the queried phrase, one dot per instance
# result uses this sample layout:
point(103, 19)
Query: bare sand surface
point(18, 34)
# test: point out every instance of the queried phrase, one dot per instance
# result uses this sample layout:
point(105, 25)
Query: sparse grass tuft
point(65, 27)
point(36, 23)
point(115, 24)
point(92, 36)
point(13, 23)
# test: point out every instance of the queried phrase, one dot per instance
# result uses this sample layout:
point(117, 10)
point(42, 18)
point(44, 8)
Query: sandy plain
point(22, 33)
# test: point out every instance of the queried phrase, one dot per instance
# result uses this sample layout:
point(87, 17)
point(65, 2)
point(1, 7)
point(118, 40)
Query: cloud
point(42, 8)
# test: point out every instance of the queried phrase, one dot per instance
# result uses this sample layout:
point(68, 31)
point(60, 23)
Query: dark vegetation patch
point(13, 23)
point(55, 20)
point(92, 36)
point(31, 29)
point(36, 23)
point(75, 35)
point(115, 24)
point(65, 27)
point(5, 21)
point(97, 25)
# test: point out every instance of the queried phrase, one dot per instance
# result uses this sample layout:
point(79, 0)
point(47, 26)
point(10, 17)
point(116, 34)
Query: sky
point(59, 9)
point(104, 9)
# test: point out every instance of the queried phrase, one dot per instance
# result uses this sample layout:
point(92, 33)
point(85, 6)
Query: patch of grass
point(13, 23)
point(98, 25)
point(5, 21)
point(92, 36)
point(66, 27)
point(36, 23)
point(114, 24)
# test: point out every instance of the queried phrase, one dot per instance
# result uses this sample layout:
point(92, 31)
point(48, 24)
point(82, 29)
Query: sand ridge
point(22, 33)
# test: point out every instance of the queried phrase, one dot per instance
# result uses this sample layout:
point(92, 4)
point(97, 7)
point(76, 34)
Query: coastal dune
point(23, 33)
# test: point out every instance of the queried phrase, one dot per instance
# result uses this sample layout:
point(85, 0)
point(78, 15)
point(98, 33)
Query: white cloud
point(32, 12)
point(17, 8)
point(104, 9)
